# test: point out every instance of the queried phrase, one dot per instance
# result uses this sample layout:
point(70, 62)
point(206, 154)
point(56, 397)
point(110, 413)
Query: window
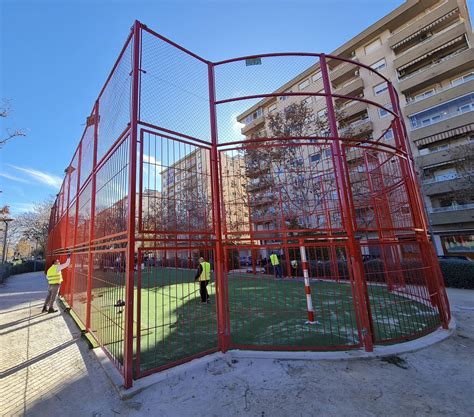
point(321, 114)
point(327, 153)
point(372, 46)
point(380, 88)
point(316, 98)
point(308, 101)
point(446, 174)
point(424, 94)
point(251, 117)
point(464, 79)
point(438, 148)
point(388, 134)
point(315, 157)
point(317, 76)
point(430, 120)
point(443, 111)
point(272, 108)
point(383, 112)
point(465, 108)
point(379, 65)
point(303, 84)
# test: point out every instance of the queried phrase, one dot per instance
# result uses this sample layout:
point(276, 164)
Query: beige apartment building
point(186, 194)
point(425, 47)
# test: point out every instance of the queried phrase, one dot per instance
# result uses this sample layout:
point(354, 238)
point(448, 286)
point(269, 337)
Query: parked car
point(455, 257)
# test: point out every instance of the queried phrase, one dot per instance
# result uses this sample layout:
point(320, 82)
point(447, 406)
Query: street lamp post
point(4, 252)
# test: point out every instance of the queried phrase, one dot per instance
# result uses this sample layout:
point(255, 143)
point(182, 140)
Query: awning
point(446, 134)
point(439, 48)
point(425, 28)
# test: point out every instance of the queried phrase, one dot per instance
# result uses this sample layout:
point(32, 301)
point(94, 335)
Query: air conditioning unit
point(353, 54)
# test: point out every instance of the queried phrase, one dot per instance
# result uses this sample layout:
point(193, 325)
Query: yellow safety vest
point(274, 259)
point(206, 271)
point(54, 276)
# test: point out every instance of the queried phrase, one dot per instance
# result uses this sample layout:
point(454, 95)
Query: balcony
point(259, 183)
point(433, 187)
point(441, 96)
point(435, 158)
point(436, 41)
point(418, 25)
point(449, 66)
point(357, 128)
point(448, 122)
point(262, 200)
point(252, 125)
point(353, 109)
point(352, 88)
point(454, 214)
point(264, 234)
point(344, 72)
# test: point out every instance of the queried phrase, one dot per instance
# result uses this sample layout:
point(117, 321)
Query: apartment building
point(185, 202)
point(425, 47)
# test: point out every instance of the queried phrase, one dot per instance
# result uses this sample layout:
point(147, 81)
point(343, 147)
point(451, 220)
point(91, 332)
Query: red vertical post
point(132, 185)
point(91, 224)
point(66, 216)
point(74, 240)
point(420, 221)
point(223, 328)
point(344, 200)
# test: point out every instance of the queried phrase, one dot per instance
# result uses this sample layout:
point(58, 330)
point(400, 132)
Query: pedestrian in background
point(203, 274)
point(276, 265)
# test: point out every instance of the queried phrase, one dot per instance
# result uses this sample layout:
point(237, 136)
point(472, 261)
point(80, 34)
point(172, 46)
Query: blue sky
point(56, 55)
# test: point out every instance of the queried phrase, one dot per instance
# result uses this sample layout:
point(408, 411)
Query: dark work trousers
point(203, 291)
point(53, 290)
point(277, 270)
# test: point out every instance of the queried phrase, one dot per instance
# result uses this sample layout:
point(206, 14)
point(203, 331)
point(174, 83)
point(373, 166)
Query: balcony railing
point(437, 62)
point(428, 39)
point(452, 208)
point(438, 180)
point(411, 100)
point(417, 18)
point(443, 116)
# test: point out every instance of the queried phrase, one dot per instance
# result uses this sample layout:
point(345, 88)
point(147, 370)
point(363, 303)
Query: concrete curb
point(165, 376)
point(199, 364)
point(379, 351)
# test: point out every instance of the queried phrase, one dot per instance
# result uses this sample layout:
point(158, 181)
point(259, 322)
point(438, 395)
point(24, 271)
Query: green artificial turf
point(264, 312)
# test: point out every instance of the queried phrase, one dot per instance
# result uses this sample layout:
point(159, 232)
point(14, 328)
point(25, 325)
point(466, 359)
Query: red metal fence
point(271, 167)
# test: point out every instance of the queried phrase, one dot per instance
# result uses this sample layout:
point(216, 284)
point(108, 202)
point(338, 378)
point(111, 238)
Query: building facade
point(425, 47)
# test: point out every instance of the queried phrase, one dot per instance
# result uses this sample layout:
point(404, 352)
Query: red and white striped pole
point(307, 288)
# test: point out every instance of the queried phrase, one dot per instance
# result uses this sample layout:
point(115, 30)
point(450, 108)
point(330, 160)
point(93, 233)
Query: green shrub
point(457, 273)
point(27, 266)
point(5, 271)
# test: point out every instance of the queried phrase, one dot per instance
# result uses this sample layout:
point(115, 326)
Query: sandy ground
point(47, 370)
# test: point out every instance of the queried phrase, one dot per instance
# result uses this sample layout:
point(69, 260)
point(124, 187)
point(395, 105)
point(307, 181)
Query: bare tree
point(5, 111)
point(33, 225)
point(464, 157)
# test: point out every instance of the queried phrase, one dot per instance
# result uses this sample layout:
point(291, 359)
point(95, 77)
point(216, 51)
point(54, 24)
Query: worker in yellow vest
point(55, 278)
point(203, 275)
point(276, 265)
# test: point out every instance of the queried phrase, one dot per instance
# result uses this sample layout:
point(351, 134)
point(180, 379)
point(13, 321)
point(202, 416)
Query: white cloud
point(22, 207)
point(149, 159)
point(13, 178)
point(40, 176)
point(236, 125)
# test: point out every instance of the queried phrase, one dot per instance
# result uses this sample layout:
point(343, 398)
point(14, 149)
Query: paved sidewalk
point(47, 370)
point(41, 355)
